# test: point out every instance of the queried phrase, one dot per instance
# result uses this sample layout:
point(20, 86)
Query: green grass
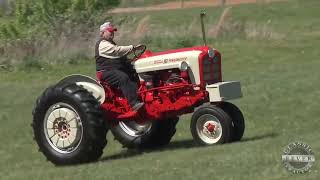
point(280, 79)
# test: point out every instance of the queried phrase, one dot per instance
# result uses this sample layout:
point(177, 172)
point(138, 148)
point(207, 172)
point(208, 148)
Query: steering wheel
point(139, 50)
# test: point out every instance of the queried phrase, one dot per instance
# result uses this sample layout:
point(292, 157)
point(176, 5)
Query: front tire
point(210, 125)
point(238, 124)
point(68, 125)
point(151, 134)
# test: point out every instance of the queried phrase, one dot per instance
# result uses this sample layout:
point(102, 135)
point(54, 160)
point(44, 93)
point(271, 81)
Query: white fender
point(88, 83)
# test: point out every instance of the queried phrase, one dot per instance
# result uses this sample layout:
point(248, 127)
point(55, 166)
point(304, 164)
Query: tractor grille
point(211, 70)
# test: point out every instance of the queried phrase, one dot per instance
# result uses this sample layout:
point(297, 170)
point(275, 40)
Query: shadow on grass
point(259, 137)
point(180, 144)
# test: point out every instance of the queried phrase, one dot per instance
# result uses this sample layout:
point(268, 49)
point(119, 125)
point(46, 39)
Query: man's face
point(108, 35)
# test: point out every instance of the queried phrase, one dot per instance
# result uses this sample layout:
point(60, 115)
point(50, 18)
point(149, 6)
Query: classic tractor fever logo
point(298, 157)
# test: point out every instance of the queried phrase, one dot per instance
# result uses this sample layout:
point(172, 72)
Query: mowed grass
point(280, 79)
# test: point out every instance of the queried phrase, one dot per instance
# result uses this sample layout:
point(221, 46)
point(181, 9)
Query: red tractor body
point(171, 97)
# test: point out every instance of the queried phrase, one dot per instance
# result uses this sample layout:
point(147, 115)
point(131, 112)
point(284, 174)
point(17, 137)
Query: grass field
point(279, 71)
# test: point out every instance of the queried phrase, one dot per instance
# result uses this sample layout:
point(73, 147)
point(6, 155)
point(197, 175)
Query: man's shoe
point(137, 106)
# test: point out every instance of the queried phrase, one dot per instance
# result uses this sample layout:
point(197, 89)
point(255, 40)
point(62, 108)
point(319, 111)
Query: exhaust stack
point(202, 15)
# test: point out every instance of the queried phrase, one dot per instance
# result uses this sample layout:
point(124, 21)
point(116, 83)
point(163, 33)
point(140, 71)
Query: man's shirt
point(113, 51)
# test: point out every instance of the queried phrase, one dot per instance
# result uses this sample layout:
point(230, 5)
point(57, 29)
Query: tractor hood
point(148, 53)
point(170, 59)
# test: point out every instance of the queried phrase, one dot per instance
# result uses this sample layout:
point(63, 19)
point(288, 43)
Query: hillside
point(139, 3)
point(144, 6)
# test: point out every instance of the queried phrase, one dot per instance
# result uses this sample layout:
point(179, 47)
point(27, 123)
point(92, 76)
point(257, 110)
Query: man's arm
point(109, 50)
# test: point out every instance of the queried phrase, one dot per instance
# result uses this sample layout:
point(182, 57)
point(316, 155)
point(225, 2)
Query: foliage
point(38, 25)
point(36, 17)
point(31, 63)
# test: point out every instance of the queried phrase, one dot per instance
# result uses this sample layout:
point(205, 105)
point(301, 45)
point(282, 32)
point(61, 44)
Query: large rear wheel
point(149, 134)
point(68, 125)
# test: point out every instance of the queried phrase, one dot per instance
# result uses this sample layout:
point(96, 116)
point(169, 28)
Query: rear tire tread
point(94, 137)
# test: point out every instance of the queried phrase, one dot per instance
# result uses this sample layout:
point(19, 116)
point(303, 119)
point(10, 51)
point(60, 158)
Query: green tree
point(47, 16)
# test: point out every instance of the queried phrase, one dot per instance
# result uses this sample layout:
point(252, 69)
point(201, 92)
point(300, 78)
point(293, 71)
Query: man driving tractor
point(111, 60)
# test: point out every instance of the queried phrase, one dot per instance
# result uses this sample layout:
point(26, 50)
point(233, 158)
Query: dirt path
point(187, 4)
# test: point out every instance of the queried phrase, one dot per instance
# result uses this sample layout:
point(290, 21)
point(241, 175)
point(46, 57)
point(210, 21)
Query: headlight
point(184, 66)
point(211, 53)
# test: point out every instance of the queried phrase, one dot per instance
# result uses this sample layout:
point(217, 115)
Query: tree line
point(30, 17)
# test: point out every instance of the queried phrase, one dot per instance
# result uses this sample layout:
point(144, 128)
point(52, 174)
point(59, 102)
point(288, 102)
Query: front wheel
point(238, 124)
point(210, 125)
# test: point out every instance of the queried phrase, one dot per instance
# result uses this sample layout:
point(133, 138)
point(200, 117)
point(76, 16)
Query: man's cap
point(107, 26)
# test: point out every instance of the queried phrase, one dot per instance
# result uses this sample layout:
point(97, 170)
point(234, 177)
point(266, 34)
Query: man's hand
point(138, 50)
point(138, 47)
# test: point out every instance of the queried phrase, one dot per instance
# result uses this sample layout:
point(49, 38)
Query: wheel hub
point(63, 128)
point(209, 128)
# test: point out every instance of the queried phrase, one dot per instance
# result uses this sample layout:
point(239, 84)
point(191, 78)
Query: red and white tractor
point(72, 117)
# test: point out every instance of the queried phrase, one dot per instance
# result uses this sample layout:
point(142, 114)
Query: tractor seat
point(110, 89)
point(102, 82)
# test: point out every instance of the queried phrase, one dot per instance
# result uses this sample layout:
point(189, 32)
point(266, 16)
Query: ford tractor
point(72, 117)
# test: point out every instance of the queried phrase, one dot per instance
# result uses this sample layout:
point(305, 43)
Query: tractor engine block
point(163, 78)
point(168, 91)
